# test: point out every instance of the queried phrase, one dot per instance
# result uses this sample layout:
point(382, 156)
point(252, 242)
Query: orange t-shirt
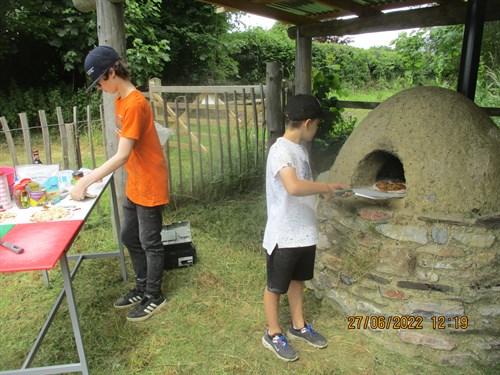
point(147, 183)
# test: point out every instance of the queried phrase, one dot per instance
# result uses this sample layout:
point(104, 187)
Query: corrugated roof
point(331, 17)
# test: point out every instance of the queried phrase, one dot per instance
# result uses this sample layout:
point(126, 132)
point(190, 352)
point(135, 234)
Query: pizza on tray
point(390, 186)
point(50, 214)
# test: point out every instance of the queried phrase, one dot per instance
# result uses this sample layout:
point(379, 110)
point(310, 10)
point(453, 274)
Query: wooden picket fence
point(218, 134)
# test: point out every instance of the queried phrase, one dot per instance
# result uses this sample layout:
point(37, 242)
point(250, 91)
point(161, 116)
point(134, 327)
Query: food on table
point(50, 214)
point(6, 215)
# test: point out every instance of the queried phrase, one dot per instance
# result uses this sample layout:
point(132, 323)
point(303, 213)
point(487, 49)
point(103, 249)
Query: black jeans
point(141, 234)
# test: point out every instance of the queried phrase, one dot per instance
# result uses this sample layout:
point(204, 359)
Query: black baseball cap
point(98, 62)
point(303, 107)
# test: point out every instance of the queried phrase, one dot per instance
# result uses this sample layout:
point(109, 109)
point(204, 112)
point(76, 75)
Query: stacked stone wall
point(437, 271)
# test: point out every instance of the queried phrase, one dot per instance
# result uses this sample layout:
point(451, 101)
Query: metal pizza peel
point(371, 193)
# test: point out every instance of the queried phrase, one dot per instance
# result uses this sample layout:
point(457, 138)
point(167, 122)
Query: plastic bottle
point(5, 200)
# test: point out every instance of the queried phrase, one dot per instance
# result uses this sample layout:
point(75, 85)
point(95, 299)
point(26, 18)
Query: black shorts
point(287, 264)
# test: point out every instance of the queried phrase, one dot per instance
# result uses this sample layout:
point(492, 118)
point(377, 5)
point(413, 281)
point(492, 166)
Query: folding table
point(44, 245)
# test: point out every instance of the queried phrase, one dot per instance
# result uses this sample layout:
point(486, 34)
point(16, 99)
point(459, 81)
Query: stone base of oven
point(439, 272)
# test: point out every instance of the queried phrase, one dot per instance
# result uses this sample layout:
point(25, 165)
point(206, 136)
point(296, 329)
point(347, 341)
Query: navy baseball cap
point(302, 107)
point(98, 62)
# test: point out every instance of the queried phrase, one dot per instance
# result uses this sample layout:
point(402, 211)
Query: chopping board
point(43, 245)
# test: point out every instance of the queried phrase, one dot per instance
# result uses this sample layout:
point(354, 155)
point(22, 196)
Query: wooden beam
point(490, 111)
point(448, 14)
point(262, 10)
point(351, 7)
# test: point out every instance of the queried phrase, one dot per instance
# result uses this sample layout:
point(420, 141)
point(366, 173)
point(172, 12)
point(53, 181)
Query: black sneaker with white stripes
point(148, 306)
point(130, 299)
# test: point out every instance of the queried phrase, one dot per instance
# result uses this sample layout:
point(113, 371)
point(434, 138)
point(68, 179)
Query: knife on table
point(12, 247)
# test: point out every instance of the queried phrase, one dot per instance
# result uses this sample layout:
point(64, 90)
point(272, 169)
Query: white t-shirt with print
point(291, 220)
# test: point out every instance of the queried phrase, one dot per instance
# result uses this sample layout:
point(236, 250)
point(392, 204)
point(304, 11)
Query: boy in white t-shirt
point(291, 232)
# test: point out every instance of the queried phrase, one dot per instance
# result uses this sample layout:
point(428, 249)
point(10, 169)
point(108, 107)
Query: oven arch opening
point(379, 165)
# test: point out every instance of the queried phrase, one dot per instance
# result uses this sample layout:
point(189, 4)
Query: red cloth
point(43, 244)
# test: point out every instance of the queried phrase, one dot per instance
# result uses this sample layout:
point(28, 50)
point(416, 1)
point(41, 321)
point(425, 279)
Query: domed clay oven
point(431, 256)
point(446, 148)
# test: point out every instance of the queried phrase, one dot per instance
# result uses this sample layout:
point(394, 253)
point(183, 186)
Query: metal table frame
point(67, 292)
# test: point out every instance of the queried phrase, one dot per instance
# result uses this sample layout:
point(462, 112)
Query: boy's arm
point(125, 146)
point(300, 188)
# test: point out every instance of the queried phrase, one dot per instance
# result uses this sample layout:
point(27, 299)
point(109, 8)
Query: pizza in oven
point(390, 186)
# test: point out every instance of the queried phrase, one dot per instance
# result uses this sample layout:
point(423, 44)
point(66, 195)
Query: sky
point(361, 41)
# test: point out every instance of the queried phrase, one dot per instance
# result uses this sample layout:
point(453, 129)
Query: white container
point(65, 178)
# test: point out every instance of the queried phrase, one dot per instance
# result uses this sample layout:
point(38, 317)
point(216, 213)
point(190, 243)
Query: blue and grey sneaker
point(279, 345)
point(309, 335)
point(130, 299)
point(148, 306)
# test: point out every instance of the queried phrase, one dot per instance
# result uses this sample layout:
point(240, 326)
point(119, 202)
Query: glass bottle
point(36, 157)
point(21, 197)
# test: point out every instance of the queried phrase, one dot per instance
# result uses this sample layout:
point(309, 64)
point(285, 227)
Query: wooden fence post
point(245, 128)
point(64, 137)
point(238, 138)
point(256, 127)
point(78, 152)
point(228, 132)
point(10, 141)
point(46, 136)
point(91, 135)
point(70, 131)
point(26, 135)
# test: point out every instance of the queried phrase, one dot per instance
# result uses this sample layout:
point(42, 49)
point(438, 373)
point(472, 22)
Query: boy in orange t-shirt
point(146, 192)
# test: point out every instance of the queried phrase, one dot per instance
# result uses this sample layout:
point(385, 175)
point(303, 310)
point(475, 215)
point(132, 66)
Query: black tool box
point(179, 248)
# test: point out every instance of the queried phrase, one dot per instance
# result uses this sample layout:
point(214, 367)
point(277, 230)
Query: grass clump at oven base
point(213, 321)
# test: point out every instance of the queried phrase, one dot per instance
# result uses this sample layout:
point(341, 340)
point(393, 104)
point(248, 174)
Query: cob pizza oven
point(428, 257)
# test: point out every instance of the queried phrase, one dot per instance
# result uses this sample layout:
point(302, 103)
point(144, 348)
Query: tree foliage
point(42, 42)
point(147, 52)
point(252, 49)
point(185, 42)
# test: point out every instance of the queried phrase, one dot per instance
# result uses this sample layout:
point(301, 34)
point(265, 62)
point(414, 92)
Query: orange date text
point(385, 322)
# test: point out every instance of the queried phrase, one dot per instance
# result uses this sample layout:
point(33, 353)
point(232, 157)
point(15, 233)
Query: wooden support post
point(303, 69)
point(303, 64)
point(111, 32)
point(471, 48)
point(274, 110)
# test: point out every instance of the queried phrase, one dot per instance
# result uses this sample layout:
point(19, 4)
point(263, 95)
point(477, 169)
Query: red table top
point(43, 244)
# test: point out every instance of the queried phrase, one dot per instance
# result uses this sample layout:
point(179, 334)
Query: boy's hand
point(335, 189)
point(78, 192)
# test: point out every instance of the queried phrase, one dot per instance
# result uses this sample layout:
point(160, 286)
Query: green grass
point(214, 318)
